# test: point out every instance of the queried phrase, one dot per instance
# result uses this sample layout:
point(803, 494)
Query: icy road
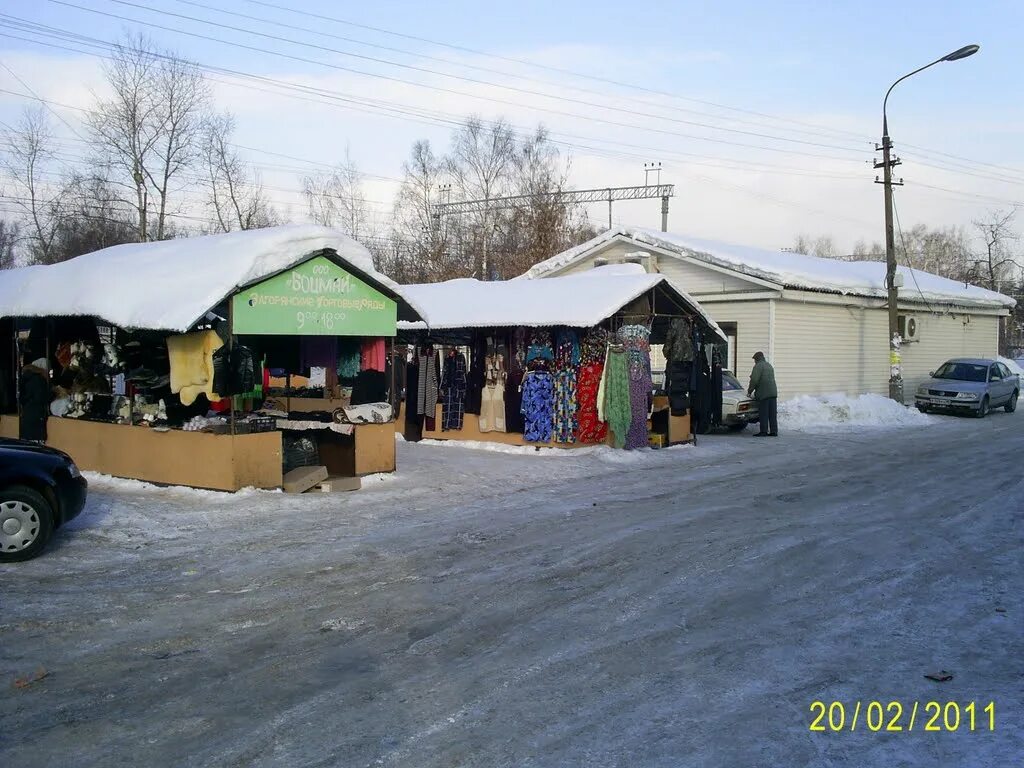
point(673, 608)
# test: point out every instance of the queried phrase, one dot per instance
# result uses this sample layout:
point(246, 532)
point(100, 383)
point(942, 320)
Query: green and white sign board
point(315, 298)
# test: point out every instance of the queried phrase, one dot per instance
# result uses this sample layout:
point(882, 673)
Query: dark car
point(40, 490)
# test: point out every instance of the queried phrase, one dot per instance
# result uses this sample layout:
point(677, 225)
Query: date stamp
point(900, 717)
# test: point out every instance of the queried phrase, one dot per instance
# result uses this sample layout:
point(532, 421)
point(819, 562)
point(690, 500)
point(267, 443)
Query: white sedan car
point(738, 409)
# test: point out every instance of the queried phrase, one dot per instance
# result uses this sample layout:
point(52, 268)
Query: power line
point(451, 91)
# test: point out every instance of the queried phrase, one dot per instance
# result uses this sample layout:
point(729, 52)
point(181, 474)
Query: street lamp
point(895, 369)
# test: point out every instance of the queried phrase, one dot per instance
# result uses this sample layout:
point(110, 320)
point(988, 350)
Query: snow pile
point(793, 270)
point(604, 453)
point(171, 284)
point(580, 301)
point(840, 412)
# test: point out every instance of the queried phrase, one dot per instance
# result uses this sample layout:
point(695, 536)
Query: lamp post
point(895, 368)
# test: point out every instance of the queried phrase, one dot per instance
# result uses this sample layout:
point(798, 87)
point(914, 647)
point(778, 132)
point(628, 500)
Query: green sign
point(315, 298)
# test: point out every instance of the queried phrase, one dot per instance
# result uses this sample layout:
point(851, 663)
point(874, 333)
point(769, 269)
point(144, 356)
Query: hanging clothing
point(679, 341)
point(34, 394)
point(427, 385)
point(617, 408)
point(373, 355)
point(677, 386)
point(369, 387)
point(318, 352)
point(514, 403)
point(591, 428)
point(636, 340)
point(234, 373)
point(413, 420)
point(593, 346)
point(476, 376)
point(540, 346)
point(349, 359)
point(191, 358)
point(453, 392)
point(492, 400)
point(517, 361)
point(538, 406)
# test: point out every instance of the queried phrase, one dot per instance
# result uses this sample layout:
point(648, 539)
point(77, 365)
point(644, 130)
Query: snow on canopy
point(171, 284)
point(791, 270)
point(579, 301)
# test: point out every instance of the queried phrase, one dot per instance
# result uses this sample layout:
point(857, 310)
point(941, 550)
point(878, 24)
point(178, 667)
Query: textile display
point(373, 355)
point(453, 391)
point(591, 428)
point(191, 357)
point(538, 406)
point(476, 376)
point(677, 386)
point(370, 413)
point(427, 385)
point(349, 359)
point(593, 346)
point(369, 387)
point(514, 402)
point(517, 362)
point(617, 408)
point(679, 341)
point(540, 346)
point(318, 352)
point(636, 340)
point(413, 424)
point(567, 358)
point(492, 400)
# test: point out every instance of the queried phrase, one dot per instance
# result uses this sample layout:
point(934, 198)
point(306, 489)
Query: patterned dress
point(538, 406)
point(592, 350)
point(453, 388)
point(567, 358)
point(636, 340)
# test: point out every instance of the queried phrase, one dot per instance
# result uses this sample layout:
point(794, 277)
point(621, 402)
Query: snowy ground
point(671, 608)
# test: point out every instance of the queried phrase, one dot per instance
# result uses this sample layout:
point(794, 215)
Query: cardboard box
point(656, 440)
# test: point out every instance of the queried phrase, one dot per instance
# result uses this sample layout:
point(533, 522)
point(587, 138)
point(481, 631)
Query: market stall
point(220, 362)
point(560, 362)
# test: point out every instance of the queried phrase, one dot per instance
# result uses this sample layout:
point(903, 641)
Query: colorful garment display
point(617, 408)
point(373, 355)
point(591, 428)
point(492, 401)
point(538, 406)
point(566, 359)
point(517, 363)
point(540, 346)
point(349, 359)
point(593, 346)
point(636, 340)
point(453, 392)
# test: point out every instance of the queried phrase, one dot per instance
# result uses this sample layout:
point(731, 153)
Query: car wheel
point(738, 427)
point(983, 408)
point(1012, 405)
point(26, 522)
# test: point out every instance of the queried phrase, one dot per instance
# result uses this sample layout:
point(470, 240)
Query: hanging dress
point(453, 388)
point(492, 400)
point(617, 409)
point(538, 406)
point(636, 340)
point(426, 393)
point(567, 358)
point(591, 428)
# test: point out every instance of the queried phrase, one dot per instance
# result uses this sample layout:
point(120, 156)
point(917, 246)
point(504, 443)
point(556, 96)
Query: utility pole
point(891, 282)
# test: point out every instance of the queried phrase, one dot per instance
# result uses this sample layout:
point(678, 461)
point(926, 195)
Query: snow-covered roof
point(579, 301)
point(791, 270)
point(171, 284)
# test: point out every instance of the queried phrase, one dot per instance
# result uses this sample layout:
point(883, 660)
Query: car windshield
point(962, 372)
point(730, 383)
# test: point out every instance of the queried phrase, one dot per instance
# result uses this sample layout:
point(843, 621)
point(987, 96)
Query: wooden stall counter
point(175, 457)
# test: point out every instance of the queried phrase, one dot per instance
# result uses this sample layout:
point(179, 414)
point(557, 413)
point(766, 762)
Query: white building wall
point(823, 348)
point(942, 337)
point(752, 329)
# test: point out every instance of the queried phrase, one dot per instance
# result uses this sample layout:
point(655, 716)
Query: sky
point(763, 115)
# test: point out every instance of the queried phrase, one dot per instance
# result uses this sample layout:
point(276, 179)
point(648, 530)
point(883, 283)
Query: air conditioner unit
point(908, 328)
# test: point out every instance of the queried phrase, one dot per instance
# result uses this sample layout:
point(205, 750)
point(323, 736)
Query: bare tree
point(996, 265)
point(149, 130)
point(236, 202)
point(10, 233)
point(336, 199)
point(29, 160)
point(481, 157)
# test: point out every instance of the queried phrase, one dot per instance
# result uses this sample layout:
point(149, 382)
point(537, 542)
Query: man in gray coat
point(763, 389)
